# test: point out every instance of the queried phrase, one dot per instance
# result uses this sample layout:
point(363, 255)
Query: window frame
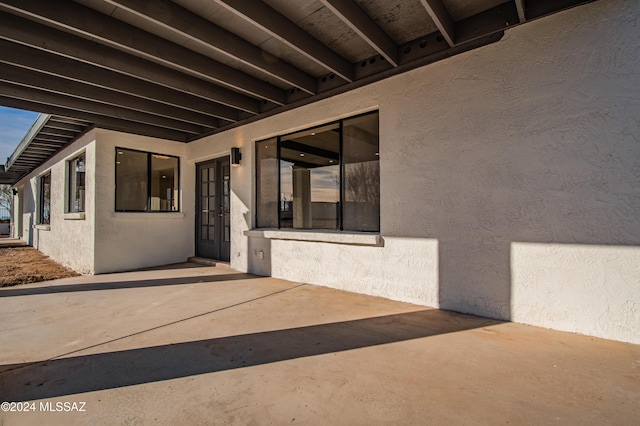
point(72, 191)
point(340, 123)
point(149, 181)
point(41, 183)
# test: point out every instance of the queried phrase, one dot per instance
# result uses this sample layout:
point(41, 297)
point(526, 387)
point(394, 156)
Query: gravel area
point(23, 265)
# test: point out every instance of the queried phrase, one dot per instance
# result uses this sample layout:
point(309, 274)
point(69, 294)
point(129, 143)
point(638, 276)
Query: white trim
point(73, 216)
point(147, 215)
point(43, 227)
point(325, 236)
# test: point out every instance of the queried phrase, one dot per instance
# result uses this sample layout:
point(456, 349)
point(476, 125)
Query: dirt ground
point(22, 265)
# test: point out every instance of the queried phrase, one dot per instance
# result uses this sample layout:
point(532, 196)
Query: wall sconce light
point(14, 191)
point(236, 156)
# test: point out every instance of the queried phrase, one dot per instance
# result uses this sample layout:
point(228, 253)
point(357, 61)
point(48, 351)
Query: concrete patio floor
point(191, 344)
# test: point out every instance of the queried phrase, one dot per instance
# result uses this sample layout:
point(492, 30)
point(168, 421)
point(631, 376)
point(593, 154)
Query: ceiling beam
point(201, 31)
point(37, 80)
point(99, 120)
point(494, 20)
point(51, 139)
point(277, 25)
point(40, 97)
point(521, 10)
point(83, 21)
point(441, 17)
point(539, 8)
point(352, 15)
point(50, 63)
point(73, 128)
point(52, 131)
point(41, 37)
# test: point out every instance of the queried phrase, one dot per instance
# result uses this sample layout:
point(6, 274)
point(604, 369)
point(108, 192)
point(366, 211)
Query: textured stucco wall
point(510, 180)
point(127, 241)
point(70, 242)
point(510, 184)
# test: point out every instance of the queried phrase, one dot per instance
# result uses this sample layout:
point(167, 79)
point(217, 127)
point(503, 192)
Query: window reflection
point(310, 179)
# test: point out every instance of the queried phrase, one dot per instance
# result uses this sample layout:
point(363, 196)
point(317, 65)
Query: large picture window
point(327, 177)
point(76, 187)
point(44, 212)
point(146, 182)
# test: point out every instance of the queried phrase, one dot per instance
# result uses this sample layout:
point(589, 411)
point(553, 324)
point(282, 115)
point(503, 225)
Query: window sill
point(147, 215)
point(43, 227)
point(334, 237)
point(74, 216)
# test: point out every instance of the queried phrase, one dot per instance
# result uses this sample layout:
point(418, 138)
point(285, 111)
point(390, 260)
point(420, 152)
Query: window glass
point(164, 183)
point(146, 181)
point(310, 179)
point(76, 184)
point(328, 177)
point(361, 174)
point(45, 199)
point(267, 183)
point(131, 180)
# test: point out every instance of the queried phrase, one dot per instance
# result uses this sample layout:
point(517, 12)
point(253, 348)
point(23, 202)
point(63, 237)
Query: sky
point(14, 124)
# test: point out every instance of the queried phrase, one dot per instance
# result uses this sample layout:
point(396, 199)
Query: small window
point(326, 177)
point(76, 186)
point(45, 199)
point(146, 182)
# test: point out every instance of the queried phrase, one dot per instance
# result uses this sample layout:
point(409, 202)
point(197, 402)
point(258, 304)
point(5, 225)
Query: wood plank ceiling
point(184, 69)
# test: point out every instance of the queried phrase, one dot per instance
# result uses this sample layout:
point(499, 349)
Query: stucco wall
point(510, 180)
point(136, 240)
point(68, 239)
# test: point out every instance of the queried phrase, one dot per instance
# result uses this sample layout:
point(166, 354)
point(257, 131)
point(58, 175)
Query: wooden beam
point(38, 60)
point(52, 138)
point(83, 21)
point(352, 15)
point(52, 131)
point(440, 16)
point(494, 20)
point(201, 31)
point(99, 120)
point(58, 125)
point(40, 97)
point(37, 80)
point(539, 8)
point(277, 25)
point(521, 10)
point(41, 37)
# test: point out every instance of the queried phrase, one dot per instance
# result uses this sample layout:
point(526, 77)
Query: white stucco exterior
point(69, 238)
point(510, 185)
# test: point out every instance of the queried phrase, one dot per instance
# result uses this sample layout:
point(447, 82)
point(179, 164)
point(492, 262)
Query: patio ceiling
point(184, 69)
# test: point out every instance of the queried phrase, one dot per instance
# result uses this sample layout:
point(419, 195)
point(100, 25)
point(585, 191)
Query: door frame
point(198, 210)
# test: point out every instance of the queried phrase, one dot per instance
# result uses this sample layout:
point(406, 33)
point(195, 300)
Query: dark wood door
point(213, 221)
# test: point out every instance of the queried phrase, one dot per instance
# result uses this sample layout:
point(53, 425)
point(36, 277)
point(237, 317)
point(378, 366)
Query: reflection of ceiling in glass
point(313, 147)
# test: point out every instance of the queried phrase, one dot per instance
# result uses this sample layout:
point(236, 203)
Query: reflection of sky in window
point(324, 183)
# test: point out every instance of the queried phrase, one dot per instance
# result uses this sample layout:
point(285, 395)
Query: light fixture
point(302, 154)
point(236, 156)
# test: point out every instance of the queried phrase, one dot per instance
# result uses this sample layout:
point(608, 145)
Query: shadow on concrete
point(119, 285)
point(87, 373)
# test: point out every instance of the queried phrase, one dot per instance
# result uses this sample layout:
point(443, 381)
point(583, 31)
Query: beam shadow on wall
point(87, 373)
